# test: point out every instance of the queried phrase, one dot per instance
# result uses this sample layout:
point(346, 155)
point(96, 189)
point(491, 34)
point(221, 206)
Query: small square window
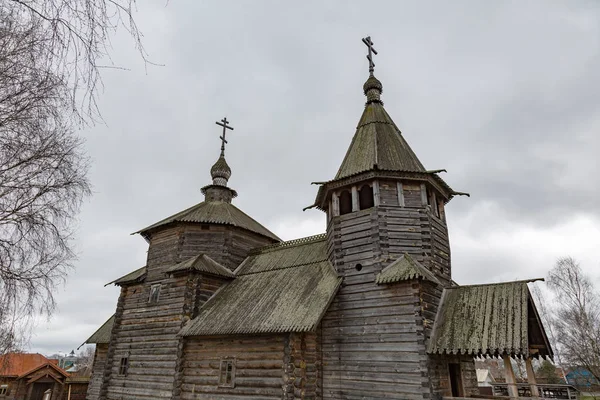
point(227, 373)
point(154, 293)
point(3, 390)
point(124, 366)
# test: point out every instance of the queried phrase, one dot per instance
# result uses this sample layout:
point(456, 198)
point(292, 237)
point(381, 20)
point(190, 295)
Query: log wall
point(258, 367)
point(93, 390)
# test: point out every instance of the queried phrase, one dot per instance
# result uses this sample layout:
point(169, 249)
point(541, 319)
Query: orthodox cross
point(223, 123)
point(367, 41)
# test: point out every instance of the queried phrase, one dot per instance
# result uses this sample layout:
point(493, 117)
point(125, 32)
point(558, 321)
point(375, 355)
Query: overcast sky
point(504, 95)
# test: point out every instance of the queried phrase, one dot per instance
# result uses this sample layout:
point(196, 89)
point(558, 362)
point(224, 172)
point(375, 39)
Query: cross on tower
point(223, 123)
point(367, 41)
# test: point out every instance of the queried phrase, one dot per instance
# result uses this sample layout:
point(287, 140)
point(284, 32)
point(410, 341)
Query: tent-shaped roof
point(405, 268)
point(282, 288)
point(215, 212)
point(491, 319)
point(378, 144)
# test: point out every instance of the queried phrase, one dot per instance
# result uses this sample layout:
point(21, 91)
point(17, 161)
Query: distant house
point(32, 376)
point(582, 378)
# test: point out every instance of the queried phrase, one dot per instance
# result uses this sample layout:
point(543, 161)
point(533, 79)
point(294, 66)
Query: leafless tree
point(576, 316)
point(50, 52)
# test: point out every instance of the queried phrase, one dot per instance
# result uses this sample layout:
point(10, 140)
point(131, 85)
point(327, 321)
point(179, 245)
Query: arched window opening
point(365, 197)
point(345, 202)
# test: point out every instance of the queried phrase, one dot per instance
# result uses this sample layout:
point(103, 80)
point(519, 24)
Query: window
point(345, 202)
point(124, 366)
point(3, 390)
point(227, 373)
point(365, 197)
point(154, 293)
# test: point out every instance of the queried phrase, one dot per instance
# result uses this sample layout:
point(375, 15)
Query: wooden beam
point(355, 205)
point(400, 195)
point(531, 378)
point(423, 194)
point(376, 196)
point(509, 375)
point(336, 204)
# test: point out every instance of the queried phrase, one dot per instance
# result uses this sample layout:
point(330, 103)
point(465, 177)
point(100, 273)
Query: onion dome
point(220, 172)
point(373, 89)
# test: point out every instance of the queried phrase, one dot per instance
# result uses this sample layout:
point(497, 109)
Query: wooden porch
point(546, 391)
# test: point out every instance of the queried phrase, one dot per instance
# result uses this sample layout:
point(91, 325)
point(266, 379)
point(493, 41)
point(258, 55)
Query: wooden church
point(223, 309)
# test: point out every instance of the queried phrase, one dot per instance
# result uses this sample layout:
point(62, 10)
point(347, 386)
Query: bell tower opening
point(365, 197)
point(345, 202)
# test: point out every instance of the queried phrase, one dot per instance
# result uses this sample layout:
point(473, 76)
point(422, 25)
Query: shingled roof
point(404, 268)
point(135, 276)
point(202, 263)
point(378, 144)
point(282, 288)
point(491, 319)
point(102, 335)
point(215, 212)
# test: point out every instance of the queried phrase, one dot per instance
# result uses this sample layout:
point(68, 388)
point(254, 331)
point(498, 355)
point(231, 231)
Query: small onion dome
point(373, 89)
point(220, 172)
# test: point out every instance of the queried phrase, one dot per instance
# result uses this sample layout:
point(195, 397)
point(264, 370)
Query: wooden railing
point(546, 391)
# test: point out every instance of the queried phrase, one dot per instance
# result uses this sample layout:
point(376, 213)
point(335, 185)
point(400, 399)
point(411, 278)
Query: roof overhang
point(431, 177)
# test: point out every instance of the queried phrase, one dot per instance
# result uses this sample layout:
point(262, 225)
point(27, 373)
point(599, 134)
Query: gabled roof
point(102, 335)
point(378, 144)
point(16, 364)
point(488, 319)
point(405, 268)
point(136, 276)
point(202, 263)
point(63, 374)
point(215, 212)
point(282, 288)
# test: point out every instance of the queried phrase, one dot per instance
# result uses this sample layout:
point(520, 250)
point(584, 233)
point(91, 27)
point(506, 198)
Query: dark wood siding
point(259, 372)
point(93, 390)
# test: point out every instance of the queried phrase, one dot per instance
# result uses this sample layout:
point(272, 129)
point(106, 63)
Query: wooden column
point(423, 194)
point(335, 200)
point(355, 205)
point(509, 375)
point(376, 197)
point(400, 195)
point(531, 378)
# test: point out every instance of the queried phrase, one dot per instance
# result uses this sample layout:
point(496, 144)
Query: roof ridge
point(290, 243)
point(287, 267)
point(497, 283)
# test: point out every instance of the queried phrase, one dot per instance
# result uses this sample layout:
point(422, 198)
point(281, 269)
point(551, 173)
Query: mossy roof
point(282, 288)
point(102, 335)
point(135, 276)
point(202, 263)
point(405, 268)
point(378, 145)
point(215, 212)
point(492, 319)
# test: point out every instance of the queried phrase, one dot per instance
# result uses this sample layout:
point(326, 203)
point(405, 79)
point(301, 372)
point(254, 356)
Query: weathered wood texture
point(100, 354)
point(439, 375)
point(374, 336)
point(259, 367)
point(147, 333)
point(302, 366)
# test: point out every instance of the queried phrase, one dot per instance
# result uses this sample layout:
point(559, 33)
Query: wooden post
point(336, 204)
point(531, 378)
point(355, 205)
point(376, 197)
point(423, 194)
point(509, 375)
point(400, 195)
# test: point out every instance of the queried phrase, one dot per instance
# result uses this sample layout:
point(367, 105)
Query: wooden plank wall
point(258, 367)
point(440, 377)
point(146, 334)
point(302, 366)
point(93, 390)
point(372, 337)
